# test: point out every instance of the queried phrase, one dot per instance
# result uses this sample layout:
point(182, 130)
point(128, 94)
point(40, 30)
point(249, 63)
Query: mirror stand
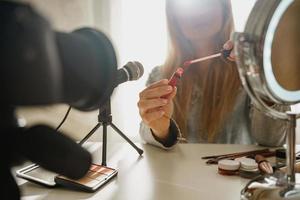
point(268, 60)
point(253, 49)
point(279, 185)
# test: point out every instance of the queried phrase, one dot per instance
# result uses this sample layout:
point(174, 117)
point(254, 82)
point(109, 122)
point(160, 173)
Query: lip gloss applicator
point(179, 72)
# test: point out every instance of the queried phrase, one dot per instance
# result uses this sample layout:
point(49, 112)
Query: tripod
point(105, 119)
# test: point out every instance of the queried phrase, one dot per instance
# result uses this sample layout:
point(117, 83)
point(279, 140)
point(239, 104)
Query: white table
point(176, 174)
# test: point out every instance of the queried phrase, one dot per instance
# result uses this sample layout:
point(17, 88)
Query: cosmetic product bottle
point(280, 155)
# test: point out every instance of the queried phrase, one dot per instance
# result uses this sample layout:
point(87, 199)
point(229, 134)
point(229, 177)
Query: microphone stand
point(105, 119)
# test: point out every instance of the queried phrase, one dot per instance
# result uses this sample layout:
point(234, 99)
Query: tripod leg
point(89, 134)
point(140, 151)
point(104, 142)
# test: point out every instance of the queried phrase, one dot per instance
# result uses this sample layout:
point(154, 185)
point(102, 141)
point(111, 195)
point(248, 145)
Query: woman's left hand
point(229, 46)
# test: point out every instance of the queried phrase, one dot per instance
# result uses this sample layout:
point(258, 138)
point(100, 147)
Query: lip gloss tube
point(176, 77)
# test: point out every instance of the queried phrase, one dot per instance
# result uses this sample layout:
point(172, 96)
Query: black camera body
point(40, 66)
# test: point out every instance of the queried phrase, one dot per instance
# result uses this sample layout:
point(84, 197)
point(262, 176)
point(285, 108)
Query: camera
point(41, 66)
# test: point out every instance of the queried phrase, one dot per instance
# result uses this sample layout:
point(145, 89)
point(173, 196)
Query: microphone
point(133, 70)
point(54, 151)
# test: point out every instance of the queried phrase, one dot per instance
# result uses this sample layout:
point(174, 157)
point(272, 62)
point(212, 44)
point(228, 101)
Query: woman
point(210, 104)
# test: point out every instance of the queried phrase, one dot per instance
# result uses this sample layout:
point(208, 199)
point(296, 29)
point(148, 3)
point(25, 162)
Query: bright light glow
point(142, 37)
point(241, 10)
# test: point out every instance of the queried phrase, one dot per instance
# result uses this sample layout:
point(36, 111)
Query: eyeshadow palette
point(96, 177)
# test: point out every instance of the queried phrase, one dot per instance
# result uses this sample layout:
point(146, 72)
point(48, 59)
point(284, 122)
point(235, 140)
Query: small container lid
point(248, 163)
point(229, 164)
point(240, 159)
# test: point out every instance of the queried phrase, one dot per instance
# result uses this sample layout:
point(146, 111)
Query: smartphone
point(37, 174)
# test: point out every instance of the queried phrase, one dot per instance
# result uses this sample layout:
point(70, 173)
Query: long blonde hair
point(219, 81)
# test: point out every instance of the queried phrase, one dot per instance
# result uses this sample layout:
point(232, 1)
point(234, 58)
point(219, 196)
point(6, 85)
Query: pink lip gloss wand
point(179, 72)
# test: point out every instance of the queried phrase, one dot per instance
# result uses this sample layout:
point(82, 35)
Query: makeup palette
point(96, 177)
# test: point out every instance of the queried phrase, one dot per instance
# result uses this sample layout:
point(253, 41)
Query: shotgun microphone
point(54, 151)
point(133, 70)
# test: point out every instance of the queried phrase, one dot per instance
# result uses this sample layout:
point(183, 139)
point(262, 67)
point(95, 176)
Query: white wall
point(138, 32)
point(241, 10)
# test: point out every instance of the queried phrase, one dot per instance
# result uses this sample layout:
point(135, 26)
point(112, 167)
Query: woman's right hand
point(156, 107)
point(229, 46)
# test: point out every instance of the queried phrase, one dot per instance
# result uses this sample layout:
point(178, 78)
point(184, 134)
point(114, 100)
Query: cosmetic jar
point(248, 168)
point(228, 167)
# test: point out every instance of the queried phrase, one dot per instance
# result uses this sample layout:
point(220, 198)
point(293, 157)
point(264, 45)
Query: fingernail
point(169, 88)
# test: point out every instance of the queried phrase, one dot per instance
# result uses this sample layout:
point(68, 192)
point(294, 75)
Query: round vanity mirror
point(268, 54)
point(268, 60)
point(282, 63)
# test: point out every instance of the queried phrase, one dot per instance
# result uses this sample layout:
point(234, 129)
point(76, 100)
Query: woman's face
point(198, 19)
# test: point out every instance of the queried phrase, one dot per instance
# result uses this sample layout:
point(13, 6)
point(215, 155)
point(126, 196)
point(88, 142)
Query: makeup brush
point(224, 53)
point(263, 164)
point(179, 72)
point(239, 154)
point(214, 159)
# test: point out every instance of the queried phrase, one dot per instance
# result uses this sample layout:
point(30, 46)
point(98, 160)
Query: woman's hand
point(229, 46)
point(156, 107)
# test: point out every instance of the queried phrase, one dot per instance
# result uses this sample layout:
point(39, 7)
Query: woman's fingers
point(150, 93)
point(158, 83)
point(163, 82)
point(173, 94)
point(145, 105)
point(151, 104)
point(229, 46)
point(232, 56)
point(149, 117)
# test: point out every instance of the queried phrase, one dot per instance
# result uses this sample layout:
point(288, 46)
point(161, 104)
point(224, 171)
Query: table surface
point(179, 173)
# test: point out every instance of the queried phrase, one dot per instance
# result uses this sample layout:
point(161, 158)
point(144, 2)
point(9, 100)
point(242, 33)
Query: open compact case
point(96, 177)
point(268, 58)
